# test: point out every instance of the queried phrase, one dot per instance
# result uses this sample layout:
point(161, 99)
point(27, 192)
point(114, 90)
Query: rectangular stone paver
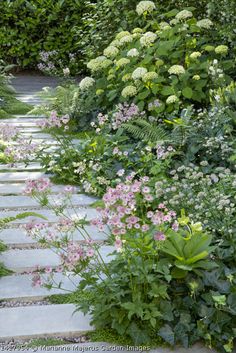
point(19, 238)
point(26, 260)
point(36, 321)
point(20, 287)
point(90, 213)
point(21, 167)
point(37, 136)
point(8, 177)
point(27, 201)
point(18, 188)
point(26, 123)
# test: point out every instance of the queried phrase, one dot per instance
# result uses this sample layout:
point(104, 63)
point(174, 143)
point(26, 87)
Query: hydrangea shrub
point(169, 61)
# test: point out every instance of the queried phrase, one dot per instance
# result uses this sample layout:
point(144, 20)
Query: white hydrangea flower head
point(137, 30)
point(205, 23)
point(183, 15)
point(148, 38)
point(111, 51)
point(164, 26)
point(176, 70)
point(149, 76)
point(195, 55)
point(133, 53)
point(144, 7)
point(129, 91)
point(139, 73)
point(122, 62)
point(97, 63)
point(172, 99)
point(114, 43)
point(86, 83)
point(196, 77)
point(221, 49)
point(122, 34)
point(126, 39)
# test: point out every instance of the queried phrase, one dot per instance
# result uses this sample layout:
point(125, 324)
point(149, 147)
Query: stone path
point(24, 253)
point(28, 321)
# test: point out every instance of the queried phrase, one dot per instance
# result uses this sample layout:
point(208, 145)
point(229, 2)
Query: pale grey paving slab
point(25, 260)
point(50, 216)
point(18, 237)
point(37, 136)
point(21, 166)
point(15, 177)
point(20, 287)
point(42, 321)
point(18, 188)
point(30, 129)
point(26, 123)
point(27, 201)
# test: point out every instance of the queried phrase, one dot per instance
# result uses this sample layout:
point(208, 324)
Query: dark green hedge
point(28, 27)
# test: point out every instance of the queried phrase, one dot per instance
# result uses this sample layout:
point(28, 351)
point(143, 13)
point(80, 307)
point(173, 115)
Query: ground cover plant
point(160, 110)
point(8, 103)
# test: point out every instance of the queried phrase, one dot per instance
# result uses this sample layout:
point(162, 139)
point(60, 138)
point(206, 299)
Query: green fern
point(141, 129)
point(23, 215)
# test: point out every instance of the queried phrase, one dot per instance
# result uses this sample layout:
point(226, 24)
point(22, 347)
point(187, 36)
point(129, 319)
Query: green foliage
point(141, 129)
point(6, 220)
point(173, 60)
point(29, 27)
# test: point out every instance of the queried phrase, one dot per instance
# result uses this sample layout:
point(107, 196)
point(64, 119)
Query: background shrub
point(28, 27)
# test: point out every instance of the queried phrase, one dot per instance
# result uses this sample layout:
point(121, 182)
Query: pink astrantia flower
point(159, 236)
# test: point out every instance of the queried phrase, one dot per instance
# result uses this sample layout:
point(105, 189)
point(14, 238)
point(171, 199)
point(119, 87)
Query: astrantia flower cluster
point(39, 185)
point(124, 113)
point(8, 132)
point(86, 83)
point(55, 121)
point(122, 212)
point(145, 7)
point(24, 150)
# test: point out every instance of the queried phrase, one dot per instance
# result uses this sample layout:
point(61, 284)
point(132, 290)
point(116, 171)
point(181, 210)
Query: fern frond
point(141, 129)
